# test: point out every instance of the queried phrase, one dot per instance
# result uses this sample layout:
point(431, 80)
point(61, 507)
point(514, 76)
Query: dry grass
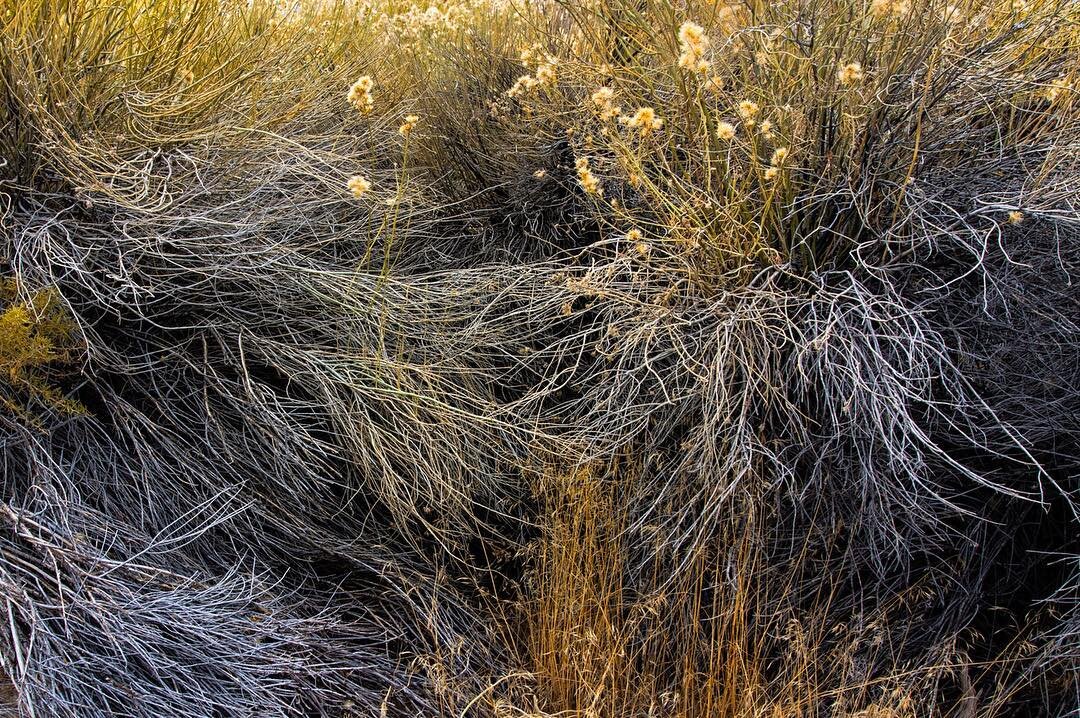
point(598, 359)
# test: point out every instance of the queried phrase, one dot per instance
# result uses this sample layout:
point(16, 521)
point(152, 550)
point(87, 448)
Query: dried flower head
point(896, 8)
point(634, 235)
point(358, 186)
point(779, 156)
point(529, 54)
point(692, 46)
point(747, 110)
point(360, 94)
point(603, 96)
point(1015, 217)
point(588, 180)
point(850, 73)
point(546, 74)
point(772, 173)
point(1056, 88)
point(690, 33)
point(408, 125)
point(522, 85)
point(766, 128)
point(644, 120)
point(603, 99)
point(725, 131)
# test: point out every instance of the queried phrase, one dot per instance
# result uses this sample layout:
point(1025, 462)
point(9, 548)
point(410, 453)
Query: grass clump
point(549, 359)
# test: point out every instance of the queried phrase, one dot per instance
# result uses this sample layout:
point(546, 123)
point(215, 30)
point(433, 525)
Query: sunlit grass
point(624, 351)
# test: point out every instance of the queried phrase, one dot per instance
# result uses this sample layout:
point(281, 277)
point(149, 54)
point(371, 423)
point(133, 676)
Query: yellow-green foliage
point(717, 115)
point(722, 126)
point(36, 336)
point(124, 76)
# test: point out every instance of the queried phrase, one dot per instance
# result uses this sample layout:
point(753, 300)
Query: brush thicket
point(594, 359)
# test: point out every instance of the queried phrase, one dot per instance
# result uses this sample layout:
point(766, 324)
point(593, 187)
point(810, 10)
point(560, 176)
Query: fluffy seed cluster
point(776, 163)
point(747, 111)
point(546, 73)
point(850, 74)
point(407, 126)
point(637, 237)
point(604, 102)
point(426, 24)
point(895, 8)
point(1056, 89)
point(522, 86)
point(692, 46)
point(358, 186)
point(360, 95)
point(529, 55)
point(725, 131)
point(644, 120)
point(588, 180)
